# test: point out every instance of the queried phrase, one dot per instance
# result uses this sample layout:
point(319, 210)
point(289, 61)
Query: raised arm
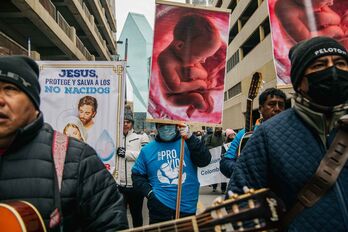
point(200, 154)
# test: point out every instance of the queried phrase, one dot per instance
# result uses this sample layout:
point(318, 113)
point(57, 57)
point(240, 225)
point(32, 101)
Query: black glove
point(121, 152)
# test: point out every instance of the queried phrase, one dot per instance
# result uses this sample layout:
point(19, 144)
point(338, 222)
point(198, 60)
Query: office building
point(58, 29)
point(200, 2)
point(249, 51)
point(137, 39)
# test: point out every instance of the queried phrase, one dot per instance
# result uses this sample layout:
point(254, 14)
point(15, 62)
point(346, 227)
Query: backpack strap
point(326, 175)
point(59, 148)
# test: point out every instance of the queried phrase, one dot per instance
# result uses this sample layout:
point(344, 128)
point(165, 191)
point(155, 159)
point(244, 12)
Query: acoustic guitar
point(256, 210)
point(20, 216)
point(254, 88)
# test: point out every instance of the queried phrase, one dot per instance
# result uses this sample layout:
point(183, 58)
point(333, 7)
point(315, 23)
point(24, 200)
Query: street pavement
point(206, 198)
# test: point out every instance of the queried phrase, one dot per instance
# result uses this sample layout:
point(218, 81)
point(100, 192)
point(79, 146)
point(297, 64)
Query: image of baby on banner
point(188, 63)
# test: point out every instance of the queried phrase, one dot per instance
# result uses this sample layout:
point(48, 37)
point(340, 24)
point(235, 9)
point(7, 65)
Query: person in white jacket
point(127, 155)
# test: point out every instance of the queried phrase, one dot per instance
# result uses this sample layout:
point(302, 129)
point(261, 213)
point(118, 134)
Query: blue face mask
point(167, 132)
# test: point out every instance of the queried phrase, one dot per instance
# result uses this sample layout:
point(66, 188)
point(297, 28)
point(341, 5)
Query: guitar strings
point(182, 226)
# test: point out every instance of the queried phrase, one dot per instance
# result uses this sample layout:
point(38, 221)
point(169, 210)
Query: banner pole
point(178, 198)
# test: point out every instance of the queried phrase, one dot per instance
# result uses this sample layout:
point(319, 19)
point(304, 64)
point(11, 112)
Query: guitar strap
point(326, 174)
point(59, 148)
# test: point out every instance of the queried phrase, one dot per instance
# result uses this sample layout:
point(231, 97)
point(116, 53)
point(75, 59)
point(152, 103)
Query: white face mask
point(167, 132)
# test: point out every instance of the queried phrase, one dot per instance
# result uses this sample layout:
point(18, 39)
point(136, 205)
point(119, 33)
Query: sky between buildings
point(145, 7)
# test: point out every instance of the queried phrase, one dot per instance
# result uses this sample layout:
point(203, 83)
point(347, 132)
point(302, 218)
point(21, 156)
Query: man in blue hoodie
point(271, 103)
point(284, 153)
point(156, 172)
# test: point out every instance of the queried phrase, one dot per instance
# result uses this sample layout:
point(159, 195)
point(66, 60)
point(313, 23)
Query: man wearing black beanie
point(81, 195)
point(285, 152)
point(315, 83)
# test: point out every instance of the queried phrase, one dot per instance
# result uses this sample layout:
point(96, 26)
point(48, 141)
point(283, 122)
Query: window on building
point(233, 61)
point(229, 64)
point(251, 42)
point(248, 12)
point(219, 3)
point(148, 65)
point(266, 27)
point(232, 5)
point(235, 90)
point(233, 32)
point(225, 96)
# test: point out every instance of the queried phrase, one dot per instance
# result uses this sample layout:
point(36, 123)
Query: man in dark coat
point(214, 140)
point(284, 152)
point(89, 197)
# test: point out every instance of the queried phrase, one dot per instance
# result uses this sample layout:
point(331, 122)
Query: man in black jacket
point(89, 197)
point(156, 172)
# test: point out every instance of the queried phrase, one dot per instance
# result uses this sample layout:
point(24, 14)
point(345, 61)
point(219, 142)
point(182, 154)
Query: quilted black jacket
point(283, 154)
point(90, 199)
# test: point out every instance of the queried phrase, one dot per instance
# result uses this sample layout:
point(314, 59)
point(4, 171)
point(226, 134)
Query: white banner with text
point(85, 100)
point(211, 174)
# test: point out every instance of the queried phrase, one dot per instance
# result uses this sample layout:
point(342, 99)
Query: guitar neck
point(187, 224)
point(248, 116)
point(255, 210)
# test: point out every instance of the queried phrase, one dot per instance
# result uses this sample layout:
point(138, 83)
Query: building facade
point(200, 2)
point(249, 51)
point(58, 29)
point(136, 48)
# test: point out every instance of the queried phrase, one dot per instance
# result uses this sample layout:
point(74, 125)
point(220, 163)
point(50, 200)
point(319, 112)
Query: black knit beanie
point(305, 52)
point(22, 72)
point(128, 115)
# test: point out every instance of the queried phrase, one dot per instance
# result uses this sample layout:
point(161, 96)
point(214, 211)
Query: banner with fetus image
point(85, 100)
point(295, 20)
point(188, 63)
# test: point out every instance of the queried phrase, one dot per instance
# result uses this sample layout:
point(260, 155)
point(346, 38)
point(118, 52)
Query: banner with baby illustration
point(85, 100)
point(188, 63)
point(295, 20)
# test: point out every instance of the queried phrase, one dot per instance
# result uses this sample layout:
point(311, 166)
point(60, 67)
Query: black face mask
point(328, 87)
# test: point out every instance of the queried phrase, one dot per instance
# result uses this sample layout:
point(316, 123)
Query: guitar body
point(20, 216)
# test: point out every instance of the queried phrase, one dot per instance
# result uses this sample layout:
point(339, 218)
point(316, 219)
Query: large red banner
point(295, 20)
point(188, 64)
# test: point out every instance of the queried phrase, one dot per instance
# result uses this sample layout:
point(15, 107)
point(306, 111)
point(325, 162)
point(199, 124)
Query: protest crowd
point(286, 170)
